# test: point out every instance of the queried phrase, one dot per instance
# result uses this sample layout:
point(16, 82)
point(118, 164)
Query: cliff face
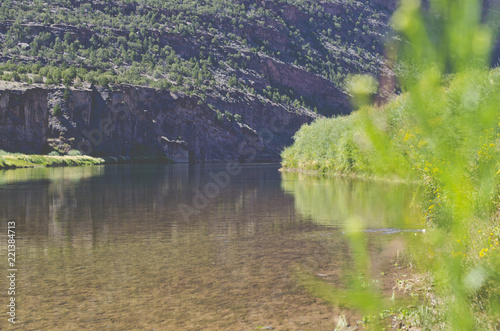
point(318, 90)
point(23, 119)
point(138, 121)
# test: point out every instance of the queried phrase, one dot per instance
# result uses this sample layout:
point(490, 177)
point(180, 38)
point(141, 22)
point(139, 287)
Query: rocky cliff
point(23, 119)
point(138, 121)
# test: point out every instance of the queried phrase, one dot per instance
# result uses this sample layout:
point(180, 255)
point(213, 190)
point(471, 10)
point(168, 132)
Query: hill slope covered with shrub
point(294, 52)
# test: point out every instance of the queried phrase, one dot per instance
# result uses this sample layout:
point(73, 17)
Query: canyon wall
point(23, 119)
point(139, 121)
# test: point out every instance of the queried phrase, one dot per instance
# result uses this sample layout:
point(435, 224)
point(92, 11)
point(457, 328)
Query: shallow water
point(166, 247)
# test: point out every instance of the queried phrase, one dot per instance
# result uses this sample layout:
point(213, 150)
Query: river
point(186, 247)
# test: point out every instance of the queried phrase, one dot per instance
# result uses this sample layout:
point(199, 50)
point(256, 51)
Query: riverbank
point(356, 176)
point(17, 160)
point(452, 149)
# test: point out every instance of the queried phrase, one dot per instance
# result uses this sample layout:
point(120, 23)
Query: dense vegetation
point(444, 133)
point(350, 145)
point(191, 46)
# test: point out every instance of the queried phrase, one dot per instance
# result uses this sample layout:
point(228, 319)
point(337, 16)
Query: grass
point(17, 160)
point(344, 146)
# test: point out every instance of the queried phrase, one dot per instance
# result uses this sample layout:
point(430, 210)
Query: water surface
point(166, 247)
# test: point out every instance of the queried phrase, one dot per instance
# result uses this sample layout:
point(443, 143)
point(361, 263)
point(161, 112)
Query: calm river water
point(183, 247)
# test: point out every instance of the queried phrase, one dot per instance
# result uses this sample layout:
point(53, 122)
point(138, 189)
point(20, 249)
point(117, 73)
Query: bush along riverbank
point(444, 131)
point(17, 160)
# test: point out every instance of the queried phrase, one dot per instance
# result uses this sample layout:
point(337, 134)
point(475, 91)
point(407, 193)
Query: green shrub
point(220, 116)
point(74, 152)
point(233, 81)
point(37, 79)
point(228, 115)
point(57, 111)
point(66, 94)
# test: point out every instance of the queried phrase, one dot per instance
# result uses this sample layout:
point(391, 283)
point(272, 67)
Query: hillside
point(223, 56)
point(290, 52)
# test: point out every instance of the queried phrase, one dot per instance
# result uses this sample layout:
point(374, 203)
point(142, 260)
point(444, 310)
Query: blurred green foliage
point(443, 131)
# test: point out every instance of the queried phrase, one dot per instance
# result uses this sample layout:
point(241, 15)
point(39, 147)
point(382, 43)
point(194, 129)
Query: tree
point(66, 94)
point(103, 80)
point(233, 81)
point(57, 111)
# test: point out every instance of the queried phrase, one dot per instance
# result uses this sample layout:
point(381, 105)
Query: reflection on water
point(48, 174)
point(333, 201)
point(108, 247)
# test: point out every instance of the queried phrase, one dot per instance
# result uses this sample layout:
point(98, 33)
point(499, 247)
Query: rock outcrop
point(318, 90)
point(23, 119)
point(138, 121)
